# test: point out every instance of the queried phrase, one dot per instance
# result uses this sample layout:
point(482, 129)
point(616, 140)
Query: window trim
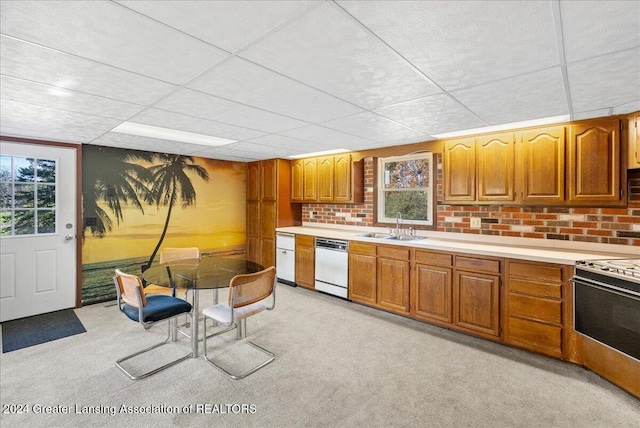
point(380, 220)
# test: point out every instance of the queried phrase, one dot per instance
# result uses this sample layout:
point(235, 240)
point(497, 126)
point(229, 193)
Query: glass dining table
point(209, 273)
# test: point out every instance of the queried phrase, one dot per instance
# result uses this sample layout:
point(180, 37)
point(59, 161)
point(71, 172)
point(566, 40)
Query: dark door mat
point(25, 332)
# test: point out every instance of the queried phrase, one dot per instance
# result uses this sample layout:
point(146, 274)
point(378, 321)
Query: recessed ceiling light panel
point(150, 131)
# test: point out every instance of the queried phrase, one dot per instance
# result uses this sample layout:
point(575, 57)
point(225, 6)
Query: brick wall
point(604, 225)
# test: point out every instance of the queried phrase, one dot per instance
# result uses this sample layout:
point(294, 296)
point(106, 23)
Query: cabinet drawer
point(305, 240)
point(541, 272)
point(360, 248)
point(535, 308)
point(478, 265)
point(535, 288)
point(535, 336)
point(393, 253)
point(433, 259)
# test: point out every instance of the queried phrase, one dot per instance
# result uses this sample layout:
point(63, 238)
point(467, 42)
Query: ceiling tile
point(64, 99)
point(260, 149)
point(109, 33)
point(605, 81)
point(599, 27)
point(30, 62)
point(532, 96)
point(240, 80)
point(292, 145)
point(327, 137)
point(229, 25)
point(373, 127)
point(205, 106)
point(57, 121)
point(465, 43)
point(45, 134)
point(182, 122)
point(329, 51)
point(432, 115)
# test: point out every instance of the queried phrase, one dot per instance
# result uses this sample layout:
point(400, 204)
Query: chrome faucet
point(398, 222)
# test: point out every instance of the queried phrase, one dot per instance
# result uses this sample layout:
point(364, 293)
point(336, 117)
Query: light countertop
point(541, 250)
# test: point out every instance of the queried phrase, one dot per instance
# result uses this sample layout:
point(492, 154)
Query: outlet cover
point(476, 222)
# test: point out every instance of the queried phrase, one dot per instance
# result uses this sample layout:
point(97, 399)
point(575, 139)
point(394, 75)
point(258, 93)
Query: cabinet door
point(476, 302)
point(268, 213)
point(305, 261)
point(431, 293)
point(594, 163)
point(362, 278)
point(342, 186)
point(297, 182)
point(634, 141)
point(253, 181)
point(310, 180)
point(393, 284)
point(542, 154)
point(325, 179)
point(269, 180)
point(495, 162)
point(253, 231)
point(460, 170)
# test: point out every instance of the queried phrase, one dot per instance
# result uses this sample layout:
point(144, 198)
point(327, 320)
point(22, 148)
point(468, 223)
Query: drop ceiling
point(284, 78)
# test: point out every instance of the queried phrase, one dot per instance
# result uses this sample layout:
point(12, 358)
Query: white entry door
point(37, 229)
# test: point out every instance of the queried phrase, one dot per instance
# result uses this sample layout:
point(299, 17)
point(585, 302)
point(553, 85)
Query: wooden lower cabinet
point(476, 302)
point(432, 287)
point(363, 273)
point(393, 278)
point(534, 316)
point(305, 261)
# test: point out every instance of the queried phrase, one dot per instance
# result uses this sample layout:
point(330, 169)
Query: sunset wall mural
point(127, 199)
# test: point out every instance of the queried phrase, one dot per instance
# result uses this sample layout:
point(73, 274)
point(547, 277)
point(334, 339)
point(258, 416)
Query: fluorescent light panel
point(150, 131)
point(513, 125)
point(326, 152)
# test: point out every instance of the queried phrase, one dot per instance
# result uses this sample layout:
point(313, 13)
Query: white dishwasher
point(286, 258)
point(332, 267)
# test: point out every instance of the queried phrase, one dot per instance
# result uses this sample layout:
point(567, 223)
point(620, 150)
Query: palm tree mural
point(170, 183)
point(112, 176)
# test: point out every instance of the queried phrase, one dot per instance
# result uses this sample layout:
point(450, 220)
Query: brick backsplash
point(603, 225)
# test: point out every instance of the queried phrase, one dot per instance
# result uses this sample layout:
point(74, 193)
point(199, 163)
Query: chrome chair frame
point(241, 334)
point(171, 337)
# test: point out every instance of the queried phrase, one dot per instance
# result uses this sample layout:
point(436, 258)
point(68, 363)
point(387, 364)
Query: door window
point(27, 196)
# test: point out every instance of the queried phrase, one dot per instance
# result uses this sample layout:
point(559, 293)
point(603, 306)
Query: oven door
point(608, 314)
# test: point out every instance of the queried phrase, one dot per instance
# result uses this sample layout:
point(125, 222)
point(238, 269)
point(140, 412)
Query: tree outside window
point(405, 185)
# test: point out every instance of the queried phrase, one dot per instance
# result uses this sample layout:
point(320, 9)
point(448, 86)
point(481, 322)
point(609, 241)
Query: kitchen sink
point(405, 238)
point(391, 237)
point(376, 235)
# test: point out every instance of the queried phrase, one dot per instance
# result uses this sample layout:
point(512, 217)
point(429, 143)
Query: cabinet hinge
point(621, 126)
point(499, 330)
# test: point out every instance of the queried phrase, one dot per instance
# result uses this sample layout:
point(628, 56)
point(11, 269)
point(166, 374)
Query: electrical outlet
point(476, 222)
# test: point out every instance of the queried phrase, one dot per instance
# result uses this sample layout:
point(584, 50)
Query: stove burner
point(625, 264)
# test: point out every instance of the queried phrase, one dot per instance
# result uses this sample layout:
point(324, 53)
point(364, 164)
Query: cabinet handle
point(284, 251)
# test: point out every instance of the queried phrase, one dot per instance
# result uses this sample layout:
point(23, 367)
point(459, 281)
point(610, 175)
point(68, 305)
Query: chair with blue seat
point(148, 310)
point(248, 296)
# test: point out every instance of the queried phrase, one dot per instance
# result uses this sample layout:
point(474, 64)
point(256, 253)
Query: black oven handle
point(606, 287)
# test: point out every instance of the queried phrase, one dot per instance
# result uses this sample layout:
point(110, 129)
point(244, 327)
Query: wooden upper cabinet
point(496, 160)
point(325, 179)
point(269, 180)
point(594, 163)
point(297, 180)
point(310, 179)
point(460, 170)
point(342, 183)
point(634, 140)
point(542, 168)
point(253, 181)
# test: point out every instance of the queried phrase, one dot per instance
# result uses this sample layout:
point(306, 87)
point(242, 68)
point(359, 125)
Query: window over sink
point(406, 186)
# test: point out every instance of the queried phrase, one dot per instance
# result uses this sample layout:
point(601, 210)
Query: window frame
point(380, 189)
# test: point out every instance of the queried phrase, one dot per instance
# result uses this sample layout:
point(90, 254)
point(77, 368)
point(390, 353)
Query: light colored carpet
point(338, 364)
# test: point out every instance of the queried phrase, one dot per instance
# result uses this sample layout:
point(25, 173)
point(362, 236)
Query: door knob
point(68, 237)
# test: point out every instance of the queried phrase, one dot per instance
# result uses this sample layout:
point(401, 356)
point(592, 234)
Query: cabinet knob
point(284, 251)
